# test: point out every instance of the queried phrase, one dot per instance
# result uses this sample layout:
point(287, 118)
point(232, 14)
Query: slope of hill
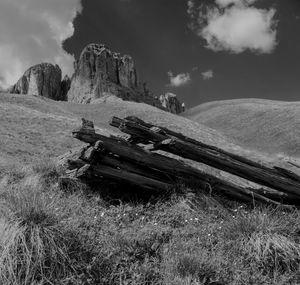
point(262, 125)
point(34, 126)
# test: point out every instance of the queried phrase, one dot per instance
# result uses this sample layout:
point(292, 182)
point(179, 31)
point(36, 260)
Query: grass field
point(50, 235)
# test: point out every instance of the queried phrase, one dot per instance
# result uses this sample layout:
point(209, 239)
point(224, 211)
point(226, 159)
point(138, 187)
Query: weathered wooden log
point(98, 154)
point(110, 169)
point(218, 159)
point(90, 172)
point(117, 122)
point(261, 176)
point(172, 168)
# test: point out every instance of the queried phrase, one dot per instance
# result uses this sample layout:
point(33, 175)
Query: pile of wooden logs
point(132, 159)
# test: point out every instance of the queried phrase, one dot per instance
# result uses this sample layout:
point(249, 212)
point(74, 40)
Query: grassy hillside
point(264, 125)
point(50, 235)
point(34, 126)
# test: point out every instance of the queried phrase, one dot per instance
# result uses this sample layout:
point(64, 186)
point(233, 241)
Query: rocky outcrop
point(100, 72)
point(170, 102)
point(43, 79)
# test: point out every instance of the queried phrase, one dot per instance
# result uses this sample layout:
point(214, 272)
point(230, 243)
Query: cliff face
point(100, 72)
point(42, 79)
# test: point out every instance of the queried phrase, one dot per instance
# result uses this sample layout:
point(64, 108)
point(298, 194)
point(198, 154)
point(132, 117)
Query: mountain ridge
point(97, 73)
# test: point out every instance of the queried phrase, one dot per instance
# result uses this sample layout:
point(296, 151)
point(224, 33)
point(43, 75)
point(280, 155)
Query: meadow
point(51, 235)
point(82, 235)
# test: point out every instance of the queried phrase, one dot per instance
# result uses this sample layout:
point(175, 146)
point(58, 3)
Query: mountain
point(262, 125)
point(42, 79)
point(99, 72)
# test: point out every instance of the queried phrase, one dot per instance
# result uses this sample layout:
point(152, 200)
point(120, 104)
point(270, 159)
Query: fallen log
point(216, 158)
point(91, 172)
point(119, 154)
point(117, 122)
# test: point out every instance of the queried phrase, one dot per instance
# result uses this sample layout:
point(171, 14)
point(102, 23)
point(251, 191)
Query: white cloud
point(206, 75)
point(236, 26)
point(31, 32)
point(225, 3)
point(179, 80)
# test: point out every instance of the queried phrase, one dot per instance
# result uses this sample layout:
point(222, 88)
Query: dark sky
point(156, 34)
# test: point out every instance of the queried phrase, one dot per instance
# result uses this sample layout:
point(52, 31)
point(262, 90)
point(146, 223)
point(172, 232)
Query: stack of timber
point(132, 159)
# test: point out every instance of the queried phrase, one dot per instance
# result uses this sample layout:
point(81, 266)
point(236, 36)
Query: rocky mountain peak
point(99, 72)
point(42, 79)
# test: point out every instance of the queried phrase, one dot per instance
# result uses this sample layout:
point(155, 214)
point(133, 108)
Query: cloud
point(206, 75)
point(179, 80)
point(225, 3)
point(236, 26)
point(31, 32)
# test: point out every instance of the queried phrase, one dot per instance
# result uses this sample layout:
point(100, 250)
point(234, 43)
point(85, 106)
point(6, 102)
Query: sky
point(201, 50)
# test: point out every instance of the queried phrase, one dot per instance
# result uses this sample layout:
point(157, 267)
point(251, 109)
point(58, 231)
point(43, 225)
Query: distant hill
point(263, 125)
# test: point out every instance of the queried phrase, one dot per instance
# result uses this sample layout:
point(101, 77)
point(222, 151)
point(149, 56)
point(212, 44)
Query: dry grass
point(51, 237)
point(33, 248)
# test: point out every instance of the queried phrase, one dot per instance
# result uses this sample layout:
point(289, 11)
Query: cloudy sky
point(201, 50)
